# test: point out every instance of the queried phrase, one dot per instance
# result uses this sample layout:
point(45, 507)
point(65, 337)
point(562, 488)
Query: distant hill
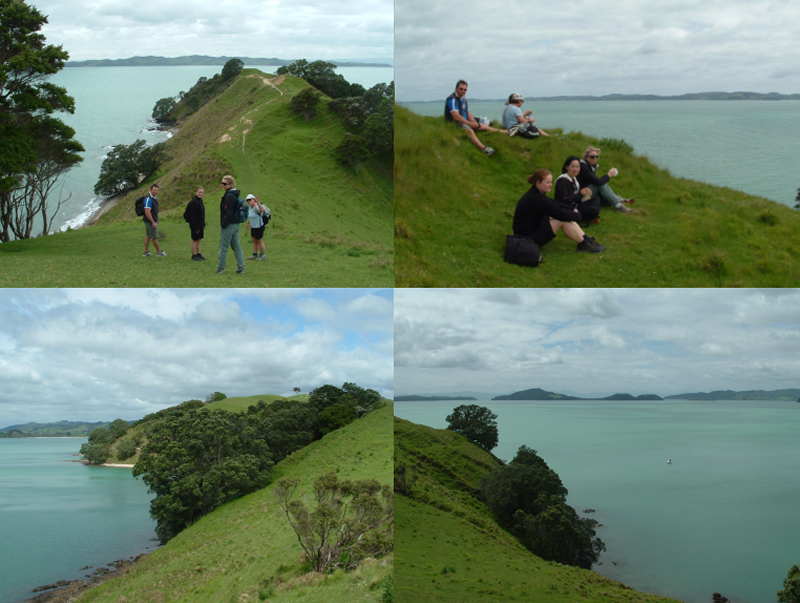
point(535, 394)
point(152, 61)
point(430, 398)
point(781, 395)
point(630, 397)
point(51, 430)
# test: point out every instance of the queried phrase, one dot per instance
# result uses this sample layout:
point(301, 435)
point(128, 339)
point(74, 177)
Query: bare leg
point(571, 230)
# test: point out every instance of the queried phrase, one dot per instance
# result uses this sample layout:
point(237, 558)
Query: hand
point(613, 172)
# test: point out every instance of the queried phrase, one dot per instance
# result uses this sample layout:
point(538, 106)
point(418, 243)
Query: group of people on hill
point(195, 215)
point(579, 191)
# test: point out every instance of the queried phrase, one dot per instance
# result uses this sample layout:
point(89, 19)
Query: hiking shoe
point(200, 257)
point(488, 151)
point(629, 200)
point(146, 254)
point(197, 258)
point(240, 271)
point(591, 246)
point(253, 257)
point(623, 209)
point(161, 254)
point(220, 270)
point(512, 131)
point(261, 257)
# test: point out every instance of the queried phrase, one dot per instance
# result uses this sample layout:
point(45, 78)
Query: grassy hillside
point(246, 551)
point(454, 208)
point(330, 227)
point(449, 549)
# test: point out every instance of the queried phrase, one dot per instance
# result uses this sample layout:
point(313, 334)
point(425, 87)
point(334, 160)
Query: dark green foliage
point(162, 110)
point(324, 396)
point(352, 151)
point(528, 499)
point(476, 423)
point(616, 144)
point(371, 116)
point(231, 69)
point(791, 586)
point(797, 198)
point(215, 397)
point(404, 479)
point(286, 426)
point(35, 148)
point(97, 454)
point(126, 449)
point(323, 77)
point(128, 165)
point(196, 460)
point(305, 103)
point(117, 429)
point(388, 589)
point(336, 416)
point(350, 521)
point(100, 435)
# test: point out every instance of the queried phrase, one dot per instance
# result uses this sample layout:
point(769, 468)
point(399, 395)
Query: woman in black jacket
point(195, 215)
point(539, 217)
point(569, 191)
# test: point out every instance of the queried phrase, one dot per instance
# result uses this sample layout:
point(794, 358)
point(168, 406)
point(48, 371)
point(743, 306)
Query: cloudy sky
point(98, 355)
point(310, 29)
point(594, 343)
point(595, 47)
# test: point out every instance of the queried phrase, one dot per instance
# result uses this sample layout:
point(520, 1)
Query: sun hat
point(250, 197)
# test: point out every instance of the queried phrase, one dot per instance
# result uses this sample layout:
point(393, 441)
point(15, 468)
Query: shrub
point(305, 103)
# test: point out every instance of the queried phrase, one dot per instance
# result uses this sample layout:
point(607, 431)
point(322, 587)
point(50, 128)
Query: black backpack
point(138, 206)
point(266, 216)
point(522, 250)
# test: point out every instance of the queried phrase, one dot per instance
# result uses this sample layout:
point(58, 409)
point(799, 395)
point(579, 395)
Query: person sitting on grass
point(599, 186)
point(539, 217)
point(569, 192)
point(518, 122)
point(456, 110)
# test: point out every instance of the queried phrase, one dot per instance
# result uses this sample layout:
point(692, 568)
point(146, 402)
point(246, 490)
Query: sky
point(99, 355)
point(358, 30)
point(595, 47)
point(593, 343)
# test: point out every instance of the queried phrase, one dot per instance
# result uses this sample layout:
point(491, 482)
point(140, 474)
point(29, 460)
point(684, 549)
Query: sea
point(62, 520)
point(720, 517)
point(113, 105)
point(744, 145)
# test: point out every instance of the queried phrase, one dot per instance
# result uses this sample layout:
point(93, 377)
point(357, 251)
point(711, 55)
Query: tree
point(128, 165)
point(351, 520)
point(336, 416)
point(197, 460)
point(797, 198)
point(476, 423)
point(231, 69)
point(35, 148)
point(100, 435)
point(296, 390)
point(305, 103)
point(117, 429)
point(162, 110)
point(323, 77)
point(791, 586)
point(126, 449)
point(97, 454)
point(352, 151)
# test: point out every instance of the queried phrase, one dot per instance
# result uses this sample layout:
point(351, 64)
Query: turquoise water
point(59, 516)
point(113, 106)
point(722, 517)
point(745, 145)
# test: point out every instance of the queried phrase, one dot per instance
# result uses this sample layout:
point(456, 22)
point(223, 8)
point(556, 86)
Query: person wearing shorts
point(195, 215)
point(151, 223)
point(256, 226)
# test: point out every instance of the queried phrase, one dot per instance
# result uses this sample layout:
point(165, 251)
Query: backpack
point(138, 206)
point(522, 250)
point(266, 216)
point(242, 210)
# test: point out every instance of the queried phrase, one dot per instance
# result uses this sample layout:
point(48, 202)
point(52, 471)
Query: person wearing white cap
point(518, 122)
point(257, 221)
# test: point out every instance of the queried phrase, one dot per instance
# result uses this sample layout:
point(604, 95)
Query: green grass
point(246, 551)
point(454, 208)
point(449, 549)
point(330, 227)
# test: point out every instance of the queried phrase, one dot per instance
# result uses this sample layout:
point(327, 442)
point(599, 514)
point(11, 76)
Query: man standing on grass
point(151, 222)
point(229, 233)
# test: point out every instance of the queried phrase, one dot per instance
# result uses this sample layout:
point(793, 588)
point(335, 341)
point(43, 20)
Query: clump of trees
point(323, 77)
point(35, 147)
point(305, 103)
point(528, 499)
point(126, 166)
point(476, 423)
point(97, 450)
point(348, 521)
point(791, 586)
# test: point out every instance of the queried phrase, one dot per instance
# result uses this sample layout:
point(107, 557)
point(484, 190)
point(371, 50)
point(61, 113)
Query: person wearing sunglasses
point(587, 178)
point(229, 233)
point(456, 110)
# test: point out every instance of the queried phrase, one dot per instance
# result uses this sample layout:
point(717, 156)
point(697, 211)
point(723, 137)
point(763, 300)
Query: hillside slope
point(331, 227)
point(246, 551)
point(454, 208)
point(449, 549)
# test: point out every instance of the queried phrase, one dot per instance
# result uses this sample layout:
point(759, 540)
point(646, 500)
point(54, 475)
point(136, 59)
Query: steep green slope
point(449, 549)
point(454, 208)
point(246, 551)
point(331, 227)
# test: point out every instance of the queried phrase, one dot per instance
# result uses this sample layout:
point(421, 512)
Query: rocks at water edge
point(718, 598)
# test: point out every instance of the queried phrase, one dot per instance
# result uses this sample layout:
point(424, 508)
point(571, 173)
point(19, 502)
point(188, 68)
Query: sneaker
point(629, 200)
point(200, 257)
point(220, 270)
point(488, 151)
point(261, 257)
point(196, 258)
point(161, 254)
point(512, 131)
point(146, 254)
point(591, 246)
point(623, 209)
point(240, 271)
point(253, 257)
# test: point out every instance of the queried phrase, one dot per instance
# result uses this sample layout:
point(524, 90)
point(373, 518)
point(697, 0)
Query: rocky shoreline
point(65, 591)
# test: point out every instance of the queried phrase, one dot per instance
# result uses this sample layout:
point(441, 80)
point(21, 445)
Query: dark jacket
point(228, 207)
point(587, 176)
point(195, 214)
point(535, 207)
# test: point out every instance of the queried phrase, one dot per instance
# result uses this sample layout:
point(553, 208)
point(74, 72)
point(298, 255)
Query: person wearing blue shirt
point(456, 109)
point(151, 222)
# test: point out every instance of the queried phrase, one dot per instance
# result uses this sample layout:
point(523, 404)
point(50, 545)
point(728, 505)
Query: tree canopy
point(35, 147)
point(476, 423)
point(126, 166)
point(791, 586)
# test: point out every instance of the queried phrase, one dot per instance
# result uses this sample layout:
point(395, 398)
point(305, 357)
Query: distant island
point(540, 394)
point(152, 61)
point(705, 96)
point(430, 398)
point(779, 395)
point(59, 429)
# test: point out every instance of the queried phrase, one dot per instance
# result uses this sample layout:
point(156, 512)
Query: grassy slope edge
point(246, 551)
point(681, 233)
point(331, 227)
point(448, 547)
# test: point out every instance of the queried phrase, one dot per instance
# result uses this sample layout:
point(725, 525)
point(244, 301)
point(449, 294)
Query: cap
point(250, 197)
point(517, 96)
